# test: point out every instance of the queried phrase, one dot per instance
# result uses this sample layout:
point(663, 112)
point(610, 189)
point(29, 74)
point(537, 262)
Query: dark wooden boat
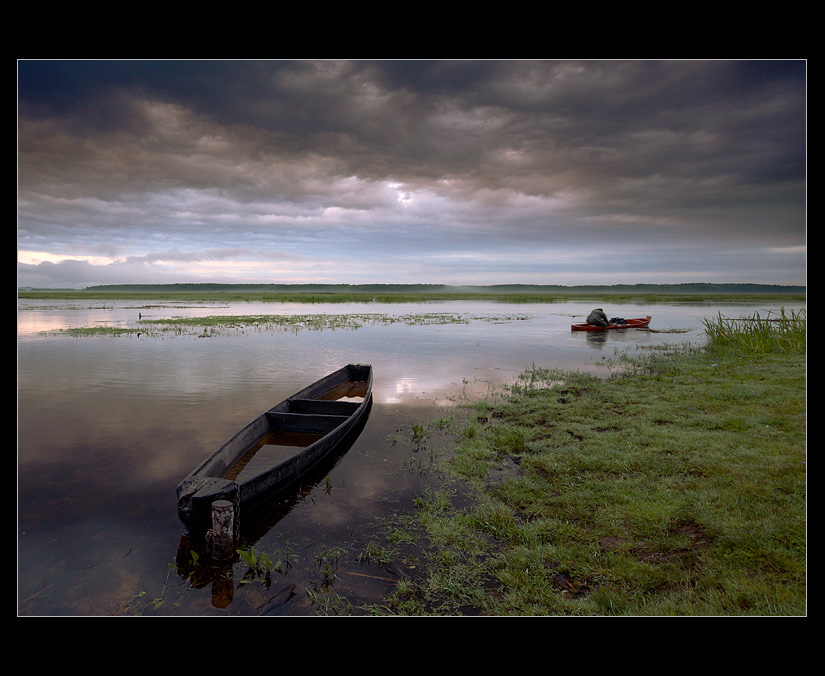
point(278, 447)
point(638, 323)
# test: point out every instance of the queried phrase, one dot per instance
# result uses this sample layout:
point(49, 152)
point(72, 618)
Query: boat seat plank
point(323, 407)
point(305, 422)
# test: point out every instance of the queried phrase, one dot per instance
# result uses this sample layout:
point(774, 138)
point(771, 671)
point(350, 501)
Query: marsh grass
point(676, 487)
point(214, 325)
point(98, 330)
point(775, 333)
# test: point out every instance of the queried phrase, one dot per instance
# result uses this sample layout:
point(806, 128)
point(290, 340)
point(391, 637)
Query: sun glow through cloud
point(38, 257)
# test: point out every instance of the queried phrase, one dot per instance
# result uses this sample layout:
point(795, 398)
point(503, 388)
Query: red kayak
point(638, 323)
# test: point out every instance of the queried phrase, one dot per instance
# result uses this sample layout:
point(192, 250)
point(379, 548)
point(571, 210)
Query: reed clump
point(782, 332)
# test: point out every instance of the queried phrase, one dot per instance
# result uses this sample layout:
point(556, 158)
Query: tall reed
point(781, 332)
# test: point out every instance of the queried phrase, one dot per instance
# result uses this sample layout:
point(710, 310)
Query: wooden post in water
point(223, 530)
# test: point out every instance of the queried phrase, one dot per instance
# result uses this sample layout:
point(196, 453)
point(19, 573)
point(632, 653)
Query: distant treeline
point(691, 288)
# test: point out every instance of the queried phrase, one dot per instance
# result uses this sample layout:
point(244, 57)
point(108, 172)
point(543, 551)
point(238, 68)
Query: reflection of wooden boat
point(278, 447)
point(638, 323)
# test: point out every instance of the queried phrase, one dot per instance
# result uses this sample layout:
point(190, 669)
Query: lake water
point(107, 427)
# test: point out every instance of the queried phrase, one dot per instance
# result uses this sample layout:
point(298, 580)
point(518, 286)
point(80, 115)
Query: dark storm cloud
point(427, 165)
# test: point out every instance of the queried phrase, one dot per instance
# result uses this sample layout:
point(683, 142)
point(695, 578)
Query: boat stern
point(195, 498)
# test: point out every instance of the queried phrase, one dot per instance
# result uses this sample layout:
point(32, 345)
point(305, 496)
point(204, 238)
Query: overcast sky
point(454, 172)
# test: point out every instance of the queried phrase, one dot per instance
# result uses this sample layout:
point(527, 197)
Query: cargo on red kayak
point(638, 323)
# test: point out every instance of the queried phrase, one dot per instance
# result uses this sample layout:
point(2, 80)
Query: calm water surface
point(107, 427)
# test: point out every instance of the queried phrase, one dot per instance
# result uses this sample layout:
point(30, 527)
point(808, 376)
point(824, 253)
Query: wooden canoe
point(277, 448)
point(638, 323)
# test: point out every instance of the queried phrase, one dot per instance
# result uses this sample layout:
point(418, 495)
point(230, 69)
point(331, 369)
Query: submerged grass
point(675, 487)
point(220, 324)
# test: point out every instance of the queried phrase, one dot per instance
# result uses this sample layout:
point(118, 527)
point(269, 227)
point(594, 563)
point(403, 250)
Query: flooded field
point(110, 421)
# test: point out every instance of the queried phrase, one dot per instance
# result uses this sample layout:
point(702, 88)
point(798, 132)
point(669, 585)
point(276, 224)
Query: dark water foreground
point(107, 426)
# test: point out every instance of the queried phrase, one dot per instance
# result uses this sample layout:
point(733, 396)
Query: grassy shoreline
point(676, 487)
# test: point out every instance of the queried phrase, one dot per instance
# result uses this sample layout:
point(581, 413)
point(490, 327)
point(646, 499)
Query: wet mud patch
point(508, 467)
point(567, 583)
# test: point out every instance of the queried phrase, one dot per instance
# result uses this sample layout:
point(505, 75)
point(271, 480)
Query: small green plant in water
point(327, 564)
point(259, 564)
